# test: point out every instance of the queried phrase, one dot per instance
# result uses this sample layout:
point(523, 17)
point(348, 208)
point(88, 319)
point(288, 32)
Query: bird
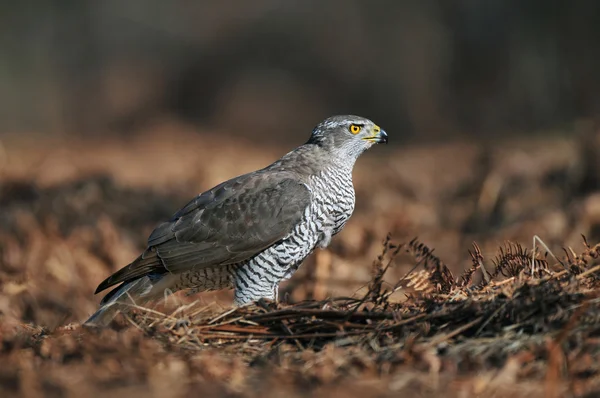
point(253, 231)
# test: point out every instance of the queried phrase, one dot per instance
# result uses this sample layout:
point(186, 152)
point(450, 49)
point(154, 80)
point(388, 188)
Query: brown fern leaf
point(420, 281)
point(513, 259)
point(592, 252)
point(477, 261)
point(440, 275)
point(376, 293)
point(579, 263)
point(576, 263)
point(378, 269)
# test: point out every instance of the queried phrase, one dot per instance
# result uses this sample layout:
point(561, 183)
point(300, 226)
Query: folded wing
point(228, 224)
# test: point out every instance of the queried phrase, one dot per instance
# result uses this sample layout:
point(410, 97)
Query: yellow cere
point(376, 129)
point(355, 129)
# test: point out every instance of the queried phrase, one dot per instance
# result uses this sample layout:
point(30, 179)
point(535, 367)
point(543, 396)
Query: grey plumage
point(253, 231)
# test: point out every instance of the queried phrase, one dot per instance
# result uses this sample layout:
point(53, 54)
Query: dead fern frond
point(376, 293)
point(513, 259)
point(440, 275)
point(477, 263)
point(579, 263)
point(377, 269)
point(420, 281)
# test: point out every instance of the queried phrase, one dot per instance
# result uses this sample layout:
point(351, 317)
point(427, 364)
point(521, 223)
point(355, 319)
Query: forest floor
point(475, 306)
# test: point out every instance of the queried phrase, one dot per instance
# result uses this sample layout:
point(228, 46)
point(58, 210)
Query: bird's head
point(347, 136)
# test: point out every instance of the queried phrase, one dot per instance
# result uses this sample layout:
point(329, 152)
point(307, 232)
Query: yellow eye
point(355, 129)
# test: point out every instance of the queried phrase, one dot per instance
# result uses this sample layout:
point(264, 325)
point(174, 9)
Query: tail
point(119, 299)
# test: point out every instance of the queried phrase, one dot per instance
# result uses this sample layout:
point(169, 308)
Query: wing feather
point(228, 224)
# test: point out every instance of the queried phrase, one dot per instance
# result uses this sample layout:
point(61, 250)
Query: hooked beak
point(378, 136)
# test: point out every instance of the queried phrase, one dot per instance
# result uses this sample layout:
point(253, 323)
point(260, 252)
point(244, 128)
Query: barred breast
point(330, 209)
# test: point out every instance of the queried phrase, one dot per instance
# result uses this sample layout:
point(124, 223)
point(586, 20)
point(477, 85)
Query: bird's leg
point(247, 292)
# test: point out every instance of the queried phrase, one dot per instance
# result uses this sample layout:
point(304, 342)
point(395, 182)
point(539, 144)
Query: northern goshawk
point(253, 231)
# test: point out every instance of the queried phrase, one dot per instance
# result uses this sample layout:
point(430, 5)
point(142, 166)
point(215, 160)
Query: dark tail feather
point(146, 264)
point(120, 299)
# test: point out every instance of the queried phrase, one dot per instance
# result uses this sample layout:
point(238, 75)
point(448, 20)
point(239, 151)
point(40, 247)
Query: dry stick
point(247, 322)
point(282, 322)
point(541, 242)
point(223, 315)
point(147, 310)
point(455, 332)
point(589, 271)
point(490, 318)
point(335, 314)
point(402, 322)
point(132, 321)
point(139, 307)
point(349, 325)
point(504, 282)
point(264, 333)
point(279, 336)
point(282, 315)
point(202, 309)
point(208, 326)
point(289, 331)
point(183, 307)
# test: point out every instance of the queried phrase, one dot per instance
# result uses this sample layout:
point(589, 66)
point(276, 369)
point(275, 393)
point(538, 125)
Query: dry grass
point(497, 320)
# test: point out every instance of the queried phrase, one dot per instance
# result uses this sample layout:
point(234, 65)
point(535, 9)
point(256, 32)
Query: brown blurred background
point(271, 69)
point(113, 114)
